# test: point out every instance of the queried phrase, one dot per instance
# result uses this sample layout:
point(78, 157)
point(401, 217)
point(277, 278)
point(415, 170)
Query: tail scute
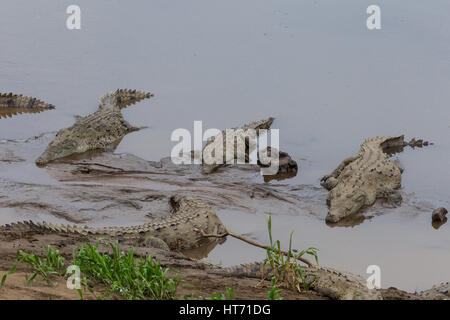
point(18, 101)
point(249, 270)
point(123, 98)
point(24, 226)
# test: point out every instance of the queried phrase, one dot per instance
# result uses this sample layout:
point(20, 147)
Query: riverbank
point(197, 280)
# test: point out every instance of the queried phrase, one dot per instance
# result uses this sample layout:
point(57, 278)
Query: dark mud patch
point(129, 189)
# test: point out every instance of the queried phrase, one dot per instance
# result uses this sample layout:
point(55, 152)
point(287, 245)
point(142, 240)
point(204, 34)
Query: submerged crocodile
point(360, 180)
point(182, 230)
point(12, 104)
point(326, 281)
point(99, 130)
point(220, 142)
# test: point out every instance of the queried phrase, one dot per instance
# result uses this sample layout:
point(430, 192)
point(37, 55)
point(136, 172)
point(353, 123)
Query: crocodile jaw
point(345, 204)
point(334, 217)
point(57, 151)
point(337, 214)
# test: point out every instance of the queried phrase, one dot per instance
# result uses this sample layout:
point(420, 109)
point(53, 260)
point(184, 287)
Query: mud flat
point(198, 279)
point(85, 190)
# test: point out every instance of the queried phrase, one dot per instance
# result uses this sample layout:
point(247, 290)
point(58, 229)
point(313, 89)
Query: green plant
point(191, 297)
point(274, 293)
point(130, 277)
point(286, 268)
point(122, 273)
point(228, 295)
point(51, 264)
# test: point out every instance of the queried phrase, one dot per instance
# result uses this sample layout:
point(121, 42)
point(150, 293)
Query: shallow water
point(313, 65)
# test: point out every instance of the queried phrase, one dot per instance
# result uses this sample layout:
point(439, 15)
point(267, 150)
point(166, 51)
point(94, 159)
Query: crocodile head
point(58, 149)
point(343, 203)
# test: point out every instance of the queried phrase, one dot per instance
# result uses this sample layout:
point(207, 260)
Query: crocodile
point(358, 181)
point(220, 142)
point(182, 230)
point(439, 292)
point(329, 282)
point(99, 130)
point(12, 104)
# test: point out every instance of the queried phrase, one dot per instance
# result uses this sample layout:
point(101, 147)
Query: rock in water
point(287, 167)
point(438, 215)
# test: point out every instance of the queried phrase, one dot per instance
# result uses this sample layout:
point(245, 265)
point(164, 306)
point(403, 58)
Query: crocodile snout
point(333, 218)
point(41, 160)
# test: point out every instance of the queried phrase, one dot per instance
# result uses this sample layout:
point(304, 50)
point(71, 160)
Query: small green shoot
point(228, 295)
point(274, 293)
point(286, 268)
point(124, 275)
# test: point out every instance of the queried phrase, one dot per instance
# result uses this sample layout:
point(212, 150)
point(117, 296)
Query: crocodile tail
point(248, 270)
point(18, 101)
point(47, 227)
point(123, 98)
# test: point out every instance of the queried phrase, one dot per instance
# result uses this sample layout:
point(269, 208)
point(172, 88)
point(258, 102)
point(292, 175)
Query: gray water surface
point(328, 80)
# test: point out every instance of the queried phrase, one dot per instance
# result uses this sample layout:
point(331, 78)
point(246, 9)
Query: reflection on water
point(9, 112)
point(350, 221)
point(438, 224)
point(279, 177)
point(203, 251)
point(329, 82)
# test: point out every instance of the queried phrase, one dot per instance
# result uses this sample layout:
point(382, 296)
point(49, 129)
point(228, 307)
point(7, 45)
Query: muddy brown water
point(313, 65)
